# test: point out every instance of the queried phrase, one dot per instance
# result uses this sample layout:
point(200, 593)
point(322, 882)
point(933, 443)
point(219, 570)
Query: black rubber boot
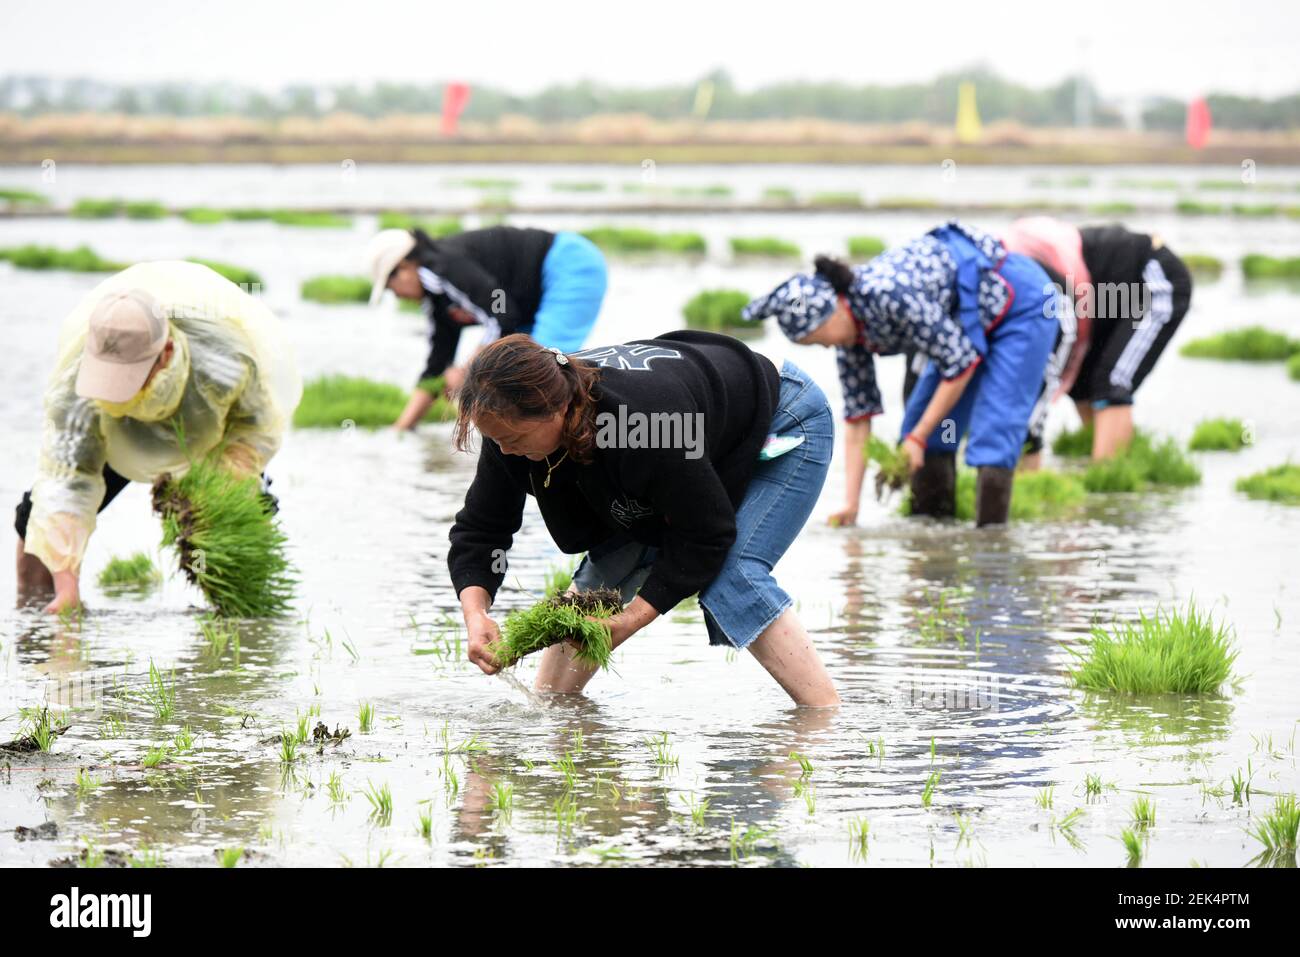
point(993, 495)
point(934, 486)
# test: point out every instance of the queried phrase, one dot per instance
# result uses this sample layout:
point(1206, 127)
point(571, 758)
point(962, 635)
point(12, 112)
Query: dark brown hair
point(515, 378)
point(837, 272)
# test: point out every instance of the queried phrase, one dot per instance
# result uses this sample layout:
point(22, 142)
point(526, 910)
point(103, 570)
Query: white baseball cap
point(385, 251)
point(127, 332)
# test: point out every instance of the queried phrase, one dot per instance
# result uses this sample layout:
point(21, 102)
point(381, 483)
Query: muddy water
point(974, 689)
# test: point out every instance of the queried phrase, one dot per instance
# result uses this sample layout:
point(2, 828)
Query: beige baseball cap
point(127, 332)
point(385, 251)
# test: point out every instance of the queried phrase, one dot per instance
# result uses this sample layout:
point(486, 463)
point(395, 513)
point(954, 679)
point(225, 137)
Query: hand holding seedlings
point(482, 631)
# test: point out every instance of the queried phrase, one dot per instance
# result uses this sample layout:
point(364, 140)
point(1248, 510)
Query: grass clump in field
point(768, 246)
point(1146, 462)
point(1278, 829)
point(1075, 443)
point(1174, 652)
point(1250, 344)
point(81, 259)
point(1202, 265)
point(336, 289)
point(434, 228)
point(138, 572)
point(1256, 266)
point(620, 239)
point(330, 401)
point(561, 618)
point(1038, 496)
point(1219, 435)
point(865, 247)
point(1278, 484)
point(717, 310)
point(236, 274)
point(229, 541)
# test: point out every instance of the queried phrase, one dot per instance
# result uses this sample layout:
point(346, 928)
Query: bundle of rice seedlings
point(330, 401)
point(766, 246)
point(718, 310)
point(1202, 265)
point(1293, 367)
point(1218, 435)
point(1146, 462)
point(1278, 484)
point(81, 259)
point(435, 228)
point(236, 274)
point(1251, 344)
point(865, 247)
point(145, 209)
point(779, 194)
point(631, 239)
point(894, 468)
point(1077, 443)
point(1256, 266)
point(229, 542)
point(204, 215)
point(558, 578)
point(1037, 496)
point(23, 197)
point(97, 208)
point(138, 572)
point(1171, 652)
point(334, 289)
point(312, 218)
point(566, 617)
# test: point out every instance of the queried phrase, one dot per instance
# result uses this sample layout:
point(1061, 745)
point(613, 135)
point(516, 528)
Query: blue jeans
point(574, 278)
point(744, 598)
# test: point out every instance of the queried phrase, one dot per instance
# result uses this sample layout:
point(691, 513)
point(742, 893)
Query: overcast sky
point(1130, 47)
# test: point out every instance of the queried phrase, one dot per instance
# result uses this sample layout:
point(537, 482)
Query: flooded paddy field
point(961, 740)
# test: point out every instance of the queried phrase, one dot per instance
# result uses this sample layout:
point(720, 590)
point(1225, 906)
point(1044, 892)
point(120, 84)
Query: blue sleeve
point(857, 367)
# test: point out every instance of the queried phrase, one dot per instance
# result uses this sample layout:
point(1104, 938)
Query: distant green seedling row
point(626, 240)
point(336, 289)
point(1220, 435)
point(1146, 463)
point(1278, 484)
point(865, 247)
point(23, 197)
point(1037, 496)
point(333, 401)
point(312, 218)
point(81, 259)
point(1256, 266)
point(768, 246)
point(435, 228)
point(1249, 344)
point(1202, 265)
point(718, 310)
point(138, 572)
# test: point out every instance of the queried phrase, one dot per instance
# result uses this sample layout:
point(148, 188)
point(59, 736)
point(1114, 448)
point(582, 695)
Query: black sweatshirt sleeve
point(485, 528)
point(701, 527)
point(485, 291)
point(444, 337)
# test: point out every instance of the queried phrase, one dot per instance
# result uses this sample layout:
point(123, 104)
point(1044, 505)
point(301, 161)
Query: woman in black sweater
point(549, 285)
point(682, 464)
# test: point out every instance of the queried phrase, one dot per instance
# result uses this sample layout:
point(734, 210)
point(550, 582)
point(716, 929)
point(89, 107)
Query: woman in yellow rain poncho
point(160, 364)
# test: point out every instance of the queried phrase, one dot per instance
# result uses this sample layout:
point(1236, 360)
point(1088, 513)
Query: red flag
point(455, 96)
point(1198, 123)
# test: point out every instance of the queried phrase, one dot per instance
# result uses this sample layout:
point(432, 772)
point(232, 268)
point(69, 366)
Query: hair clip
point(560, 357)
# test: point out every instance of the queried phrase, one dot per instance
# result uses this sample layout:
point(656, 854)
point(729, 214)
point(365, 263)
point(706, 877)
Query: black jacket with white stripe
point(494, 275)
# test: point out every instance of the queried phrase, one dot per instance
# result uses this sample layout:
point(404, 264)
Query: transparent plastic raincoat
point(232, 381)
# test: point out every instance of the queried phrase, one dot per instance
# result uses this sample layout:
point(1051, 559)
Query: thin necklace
point(546, 483)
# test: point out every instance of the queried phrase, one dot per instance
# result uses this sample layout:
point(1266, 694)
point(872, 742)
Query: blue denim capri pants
point(744, 599)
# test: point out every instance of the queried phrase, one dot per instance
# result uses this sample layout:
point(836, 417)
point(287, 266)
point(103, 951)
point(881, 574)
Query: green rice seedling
point(805, 765)
point(381, 803)
point(1046, 797)
point(1248, 344)
point(1092, 784)
point(334, 787)
point(229, 542)
point(310, 218)
point(149, 857)
point(339, 401)
point(1074, 444)
point(1196, 207)
point(1220, 435)
point(425, 827)
point(485, 182)
point(566, 617)
point(366, 717)
point(717, 310)
point(288, 747)
point(1066, 827)
point(183, 740)
point(1241, 783)
point(632, 240)
point(1203, 266)
point(112, 726)
point(218, 633)
point(137, 572)
point(1277, 830)
point(836, 199)
point(336, 289)
point(892, 465)
point(1256, 266)
point(1256, 209)
point(434, 228)
point(927, 792)
point(1146, 462)
point(502, 801)
point(204, 215)
point(745, 843)
point(1174, 652)
point(145, 209)
point(81, 259)
point(664, 756)
point(240, 276)
point(161, 692)
point(865, 247)
point(155, 756)
point(92, 855)
point(87, 784)
point(558, 578)
point(1293, 367)
point(97, 208)
point(23, 197)
point(229, 856)
point(764, 246)
point(779, 194)
point(1144, 812)
point(1041, 495)
point(1133, 846)
point(567, 769)
point(697, 808)
point(1281, 483)
point(859, 838)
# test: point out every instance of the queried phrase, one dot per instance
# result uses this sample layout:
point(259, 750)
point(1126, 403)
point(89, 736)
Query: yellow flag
point(968, 114)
